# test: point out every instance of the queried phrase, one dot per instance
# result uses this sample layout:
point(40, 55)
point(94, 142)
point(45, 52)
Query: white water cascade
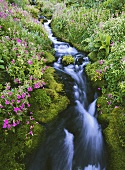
point(76, 142)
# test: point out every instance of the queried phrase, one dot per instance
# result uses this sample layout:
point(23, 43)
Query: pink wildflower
point(7, 86)
point(2, 96)
point(8, 126)
point(16, 109)
point(31, 77)
point(31, 118)
point(101, 62)
point(1, 106)
point(31, 133)
point(43, 83)
point(109, 103)
point(28, 105)
point(27, 122)
point(37, 85)
point(30, 89)
point(4, 126)
point(112, 44)
point(18, 122)
point(28, 95)
point(22, 106)
point(29, 62)
point(6, 121)
point(10, 93)
point(12, 100)
point(23, 95)
point(18, 101)
point(14, 124)
point(7, 102)
point(44, 60)
point(18, 40)
point(18, 97)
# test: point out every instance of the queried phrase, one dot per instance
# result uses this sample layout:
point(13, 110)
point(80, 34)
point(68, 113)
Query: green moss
point(48, 102)
point(49, 57)
point(68, 60)
point(93, 56)
point(115, 140)
point(113, 123)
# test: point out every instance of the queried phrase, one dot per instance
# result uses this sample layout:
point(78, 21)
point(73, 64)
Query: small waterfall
point(64, 148)
point(92, 108)
point(76, 142)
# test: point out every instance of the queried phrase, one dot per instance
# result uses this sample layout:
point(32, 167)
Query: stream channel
point(76, 141)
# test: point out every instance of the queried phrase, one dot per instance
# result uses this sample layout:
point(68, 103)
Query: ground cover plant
point(30, 92)
point(99, 30)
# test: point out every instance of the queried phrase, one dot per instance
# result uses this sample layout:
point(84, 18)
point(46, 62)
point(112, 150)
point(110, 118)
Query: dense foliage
point(98, 28)
point(31, 94)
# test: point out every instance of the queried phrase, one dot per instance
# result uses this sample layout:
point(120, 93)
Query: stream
point(75, 141)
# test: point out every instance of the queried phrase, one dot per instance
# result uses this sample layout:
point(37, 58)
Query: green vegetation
point(98, 28)
point(68, 60)
point(31, 94)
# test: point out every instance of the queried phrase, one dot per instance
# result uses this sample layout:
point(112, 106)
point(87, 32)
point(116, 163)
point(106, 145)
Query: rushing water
point(76, 141)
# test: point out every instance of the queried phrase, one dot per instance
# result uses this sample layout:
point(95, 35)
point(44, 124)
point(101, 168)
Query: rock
point(41, 17)
point(33, 2)
point(80, 58)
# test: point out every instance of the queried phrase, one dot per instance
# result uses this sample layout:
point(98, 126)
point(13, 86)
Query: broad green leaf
point(2, 67)
point(108, 38)
point(102, 47)
point(107, 51)
point(1, 61)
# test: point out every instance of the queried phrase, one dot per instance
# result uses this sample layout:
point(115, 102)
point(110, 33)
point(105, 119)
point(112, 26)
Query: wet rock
point(80, 58)
point(68, 83)
point(33, 2)
point(42, 18)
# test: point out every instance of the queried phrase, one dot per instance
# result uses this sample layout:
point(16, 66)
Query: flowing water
point(76, 141)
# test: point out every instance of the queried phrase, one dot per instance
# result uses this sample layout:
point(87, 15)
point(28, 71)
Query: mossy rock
point(68, 60)
point(115, 140)
point(48, 102)
point(93, 56)
point(49, 57)
point(103, 112)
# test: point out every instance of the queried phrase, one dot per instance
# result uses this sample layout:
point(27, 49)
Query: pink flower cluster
point(9, 125)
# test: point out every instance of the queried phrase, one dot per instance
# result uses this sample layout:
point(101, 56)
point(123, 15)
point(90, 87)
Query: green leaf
point(87, 40)
point(102, 47)
point(97, 45)
point(2, 67)
point(1, 61)
point(108, 38)
point(107, 51)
